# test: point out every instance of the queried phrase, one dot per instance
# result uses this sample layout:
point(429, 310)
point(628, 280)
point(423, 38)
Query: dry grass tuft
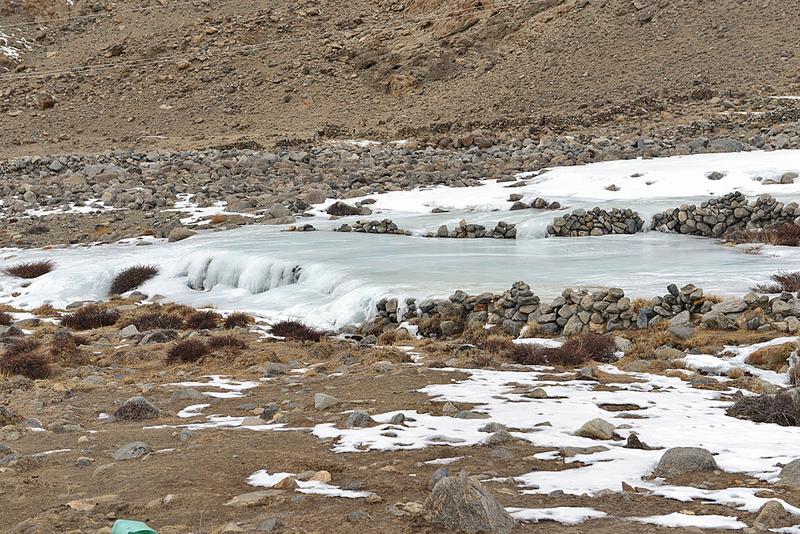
point(781, 281)
point(575, 351)
point(297, 331)
point(397, 335)
point(131, 278)
point(186, 351)
point(787, 235)
point(65, 348)
point(89, 317)
point(779, 408)
point(31, 269)
point(238, 319)
point(226, 342)
point(482, 360)
point(25, 358)
point(497, 344)
point(45, 310)
point(203, 320)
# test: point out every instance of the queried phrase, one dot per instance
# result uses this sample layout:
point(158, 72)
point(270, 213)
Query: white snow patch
point(680, 520)
point(312, 487)
point(566, 515)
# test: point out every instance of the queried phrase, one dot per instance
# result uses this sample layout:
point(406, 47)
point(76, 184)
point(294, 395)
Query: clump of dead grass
point(203, 320)
point(576, 351)
point(780, 408)
point(781, 281)
point(89, 317)
point(297, 331)
point(187, 351)
point(131, 278)
point(30, 269)
point(226, 342)
point(25, 357)
point(238, 320)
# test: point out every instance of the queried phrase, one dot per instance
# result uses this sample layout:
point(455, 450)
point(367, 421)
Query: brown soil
point(184, 486)
point(188, 73)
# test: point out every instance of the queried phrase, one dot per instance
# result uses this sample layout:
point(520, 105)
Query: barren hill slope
point(180, 73)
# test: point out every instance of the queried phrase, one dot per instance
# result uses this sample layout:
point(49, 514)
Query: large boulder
point(681, 460)
point(137, 409)
point(132, 451)
point(461, 503)
point(790, 474)
point(596, 429)
point(179, 234)
point(730, 306)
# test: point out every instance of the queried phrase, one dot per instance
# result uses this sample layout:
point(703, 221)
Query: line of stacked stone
point(385, 226)
point(464, 230)
point(538, 203)
point(600, 311)
point(596, 222)
point(729, 213)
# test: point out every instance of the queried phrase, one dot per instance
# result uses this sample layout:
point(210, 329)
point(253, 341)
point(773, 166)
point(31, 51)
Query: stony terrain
point(191, 74)
point(66, 465)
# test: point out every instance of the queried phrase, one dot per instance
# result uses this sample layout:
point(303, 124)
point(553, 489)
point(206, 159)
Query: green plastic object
point(126, 526)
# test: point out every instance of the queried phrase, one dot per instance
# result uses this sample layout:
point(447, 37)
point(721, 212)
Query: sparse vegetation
point(497, 344)
point(575, 351)
point(131, 278)
point(396, 335)
point(186, 351)
point(89, 317)
point(780, 408)
point(238, 320)
point(297, 331)
point(482, 360)
point(787, 235)
point(155, 320)
point(65, 347)
point(226, 342)
point(30, 269)
point(24, 357)
point(781, 281)
point(45, 310)
point(37, 229)
point(6, 319)
point(203, 320)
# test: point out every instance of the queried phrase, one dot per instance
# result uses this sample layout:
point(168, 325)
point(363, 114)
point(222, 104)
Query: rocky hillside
point(190, 73)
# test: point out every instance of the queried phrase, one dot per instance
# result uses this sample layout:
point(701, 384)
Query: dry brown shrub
point(28, 270)
point(781, 281)
point(238, 319)
point(297, 331)
point(186, 351)
point(26, 358)
point(779, 408)
point(89, 317)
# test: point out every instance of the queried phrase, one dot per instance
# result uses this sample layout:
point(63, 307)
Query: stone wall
point(729, 213)
point(386, 226)
point(598, 310)
point(464, 230)
point(596, 222)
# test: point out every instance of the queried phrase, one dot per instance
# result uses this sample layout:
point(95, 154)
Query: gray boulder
point(358, 419)
point(179, 234)
point(681, 460)
point(790, 474)
point(132, 451)
point(137, 409)
point(596, 429)
point(461, 503)
point(323, 401)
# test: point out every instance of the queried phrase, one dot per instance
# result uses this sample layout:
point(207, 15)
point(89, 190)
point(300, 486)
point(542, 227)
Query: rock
point(158, 336)
point(255, 498)
point(461, 503)
point(773, 515)
point(790, 474)
point(681, 460)
point(179, 234)
point(358, 419)
point(596, 429)
point(682, 319)
point(668, 353)
point(730, 306)
point(137, 409)
point(7, 417)
point(278, 211)
point(437, 475)
point(273, 524)
point(715, 175)
point(87, 505)
point(132, 451)
point(129, 332)
point(323, 401)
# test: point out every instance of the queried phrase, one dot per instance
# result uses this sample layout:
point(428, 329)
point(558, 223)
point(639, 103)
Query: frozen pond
point(333, 279)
